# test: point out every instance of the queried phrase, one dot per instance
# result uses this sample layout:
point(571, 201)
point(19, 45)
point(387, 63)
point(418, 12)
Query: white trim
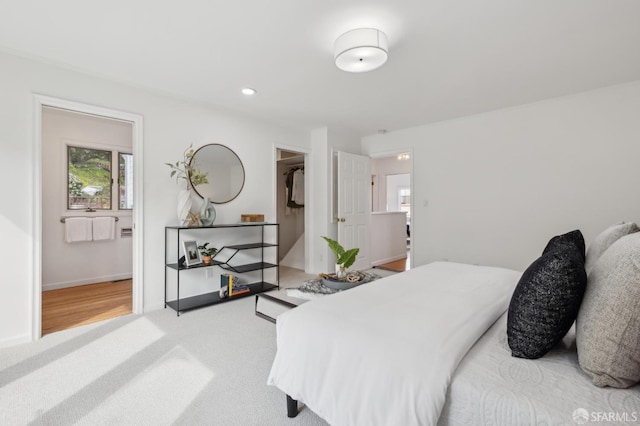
point(136, 120)
point(387, 260)
point(12, 341)
point(308, 197)
point(94, 280)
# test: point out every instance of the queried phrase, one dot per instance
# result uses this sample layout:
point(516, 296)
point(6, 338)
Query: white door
point(354, 205)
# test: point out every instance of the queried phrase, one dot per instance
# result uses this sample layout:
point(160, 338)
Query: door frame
point(40, 101)
point(395, 153)
point(308, 198)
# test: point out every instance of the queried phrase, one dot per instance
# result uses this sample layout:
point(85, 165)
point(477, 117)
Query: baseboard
point(13, 341)
point(155, 307)
point(388, 260)
point(55, 286)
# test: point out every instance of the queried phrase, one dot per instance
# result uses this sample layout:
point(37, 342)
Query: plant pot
point(206, 260)
point(336, 283)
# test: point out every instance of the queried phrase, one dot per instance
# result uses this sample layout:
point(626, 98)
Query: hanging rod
point(63, 219)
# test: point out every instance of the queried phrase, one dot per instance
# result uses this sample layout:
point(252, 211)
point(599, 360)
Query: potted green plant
point(344, 258)
point(207, 253)
point(185, 171)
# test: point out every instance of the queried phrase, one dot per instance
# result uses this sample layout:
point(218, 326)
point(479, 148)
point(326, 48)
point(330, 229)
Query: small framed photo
point(191, 253)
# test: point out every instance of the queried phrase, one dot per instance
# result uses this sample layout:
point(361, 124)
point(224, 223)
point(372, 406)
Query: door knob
point(342, 219)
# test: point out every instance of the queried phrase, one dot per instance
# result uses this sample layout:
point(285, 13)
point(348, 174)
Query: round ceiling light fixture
point(361, 50)
point(248, 91)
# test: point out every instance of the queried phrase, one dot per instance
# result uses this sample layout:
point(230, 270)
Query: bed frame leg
point(292, 407)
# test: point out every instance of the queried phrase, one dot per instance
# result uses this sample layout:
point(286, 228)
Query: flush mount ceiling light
point(248, 91)
point(404, 156)
point(361, 50)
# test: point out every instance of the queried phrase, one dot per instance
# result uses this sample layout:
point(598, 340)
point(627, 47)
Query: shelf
point(213, 298)
point(172, 236)
point(248, 246)
point(248, 268)
point(227, 225)
point(199, 265)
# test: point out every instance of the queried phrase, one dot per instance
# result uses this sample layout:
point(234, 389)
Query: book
point(239, 292)
point(226, 285)
point(230, 286)
point(239, 289)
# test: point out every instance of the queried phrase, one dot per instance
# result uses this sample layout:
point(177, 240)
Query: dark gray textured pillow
point(573, 237)
point(608, 325)
point(604, 240)
point(546, 301)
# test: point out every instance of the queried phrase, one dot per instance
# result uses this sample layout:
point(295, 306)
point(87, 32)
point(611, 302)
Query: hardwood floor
point(74, 306)
point(398, 265)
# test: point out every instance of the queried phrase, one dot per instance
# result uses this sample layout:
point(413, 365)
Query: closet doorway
point(290, 207)
point(88, 173)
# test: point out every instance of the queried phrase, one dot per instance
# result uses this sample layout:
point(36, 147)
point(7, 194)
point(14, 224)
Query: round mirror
point(224, 170)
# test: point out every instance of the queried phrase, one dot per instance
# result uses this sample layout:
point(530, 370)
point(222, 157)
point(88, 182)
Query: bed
point(490, 387)
point(402, 350)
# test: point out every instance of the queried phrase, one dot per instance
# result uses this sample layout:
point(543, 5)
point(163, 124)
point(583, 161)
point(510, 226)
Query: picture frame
point(191, 253)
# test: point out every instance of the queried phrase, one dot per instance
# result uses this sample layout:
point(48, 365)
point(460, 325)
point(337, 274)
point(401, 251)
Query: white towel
point(77, 229)
point(104, 228)
point(297, 192)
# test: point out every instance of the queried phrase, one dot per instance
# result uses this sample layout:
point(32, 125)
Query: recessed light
point(248, 91)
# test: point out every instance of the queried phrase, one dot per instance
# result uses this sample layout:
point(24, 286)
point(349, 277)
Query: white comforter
point(383, 353)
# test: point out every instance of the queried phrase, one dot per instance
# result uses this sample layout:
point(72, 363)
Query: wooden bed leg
point(292, 407)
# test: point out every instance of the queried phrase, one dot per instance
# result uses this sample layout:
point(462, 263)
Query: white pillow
point(603, 241)
point(608, 324)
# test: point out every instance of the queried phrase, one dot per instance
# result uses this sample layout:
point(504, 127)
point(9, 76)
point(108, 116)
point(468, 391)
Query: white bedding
point(383, 353)
point(490, 387)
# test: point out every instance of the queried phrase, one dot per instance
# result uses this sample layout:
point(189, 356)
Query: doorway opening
point(87, 245)
point(391, 196)
point(89, 194)
point(290, 207)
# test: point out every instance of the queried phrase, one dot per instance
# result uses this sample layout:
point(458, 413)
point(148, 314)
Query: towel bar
point(63, 219)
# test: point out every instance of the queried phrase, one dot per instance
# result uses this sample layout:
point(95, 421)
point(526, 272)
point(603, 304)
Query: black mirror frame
point(244, 176)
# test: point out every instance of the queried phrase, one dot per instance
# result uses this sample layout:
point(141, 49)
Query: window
point(125, 181)
point(404, 196)
point(90, 179)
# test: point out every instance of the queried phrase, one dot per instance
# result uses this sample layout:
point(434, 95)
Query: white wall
point(493, 188)
point(170, 125)
point(63, 264)
point(388, 237)
point(394, 184)
point(380, 168)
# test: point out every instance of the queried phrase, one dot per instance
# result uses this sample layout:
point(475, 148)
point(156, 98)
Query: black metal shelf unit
point(211, 298)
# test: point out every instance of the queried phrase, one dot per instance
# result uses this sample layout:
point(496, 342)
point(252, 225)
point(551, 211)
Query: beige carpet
point(208, 366)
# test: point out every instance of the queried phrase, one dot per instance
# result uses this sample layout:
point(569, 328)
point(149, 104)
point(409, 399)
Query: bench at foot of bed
point(292, 407)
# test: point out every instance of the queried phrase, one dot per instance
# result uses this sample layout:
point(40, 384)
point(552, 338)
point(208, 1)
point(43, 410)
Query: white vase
point(184, 206)
point(207, 213)
point(340, 271)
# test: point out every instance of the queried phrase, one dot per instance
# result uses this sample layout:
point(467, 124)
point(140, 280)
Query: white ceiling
point(448, 58)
